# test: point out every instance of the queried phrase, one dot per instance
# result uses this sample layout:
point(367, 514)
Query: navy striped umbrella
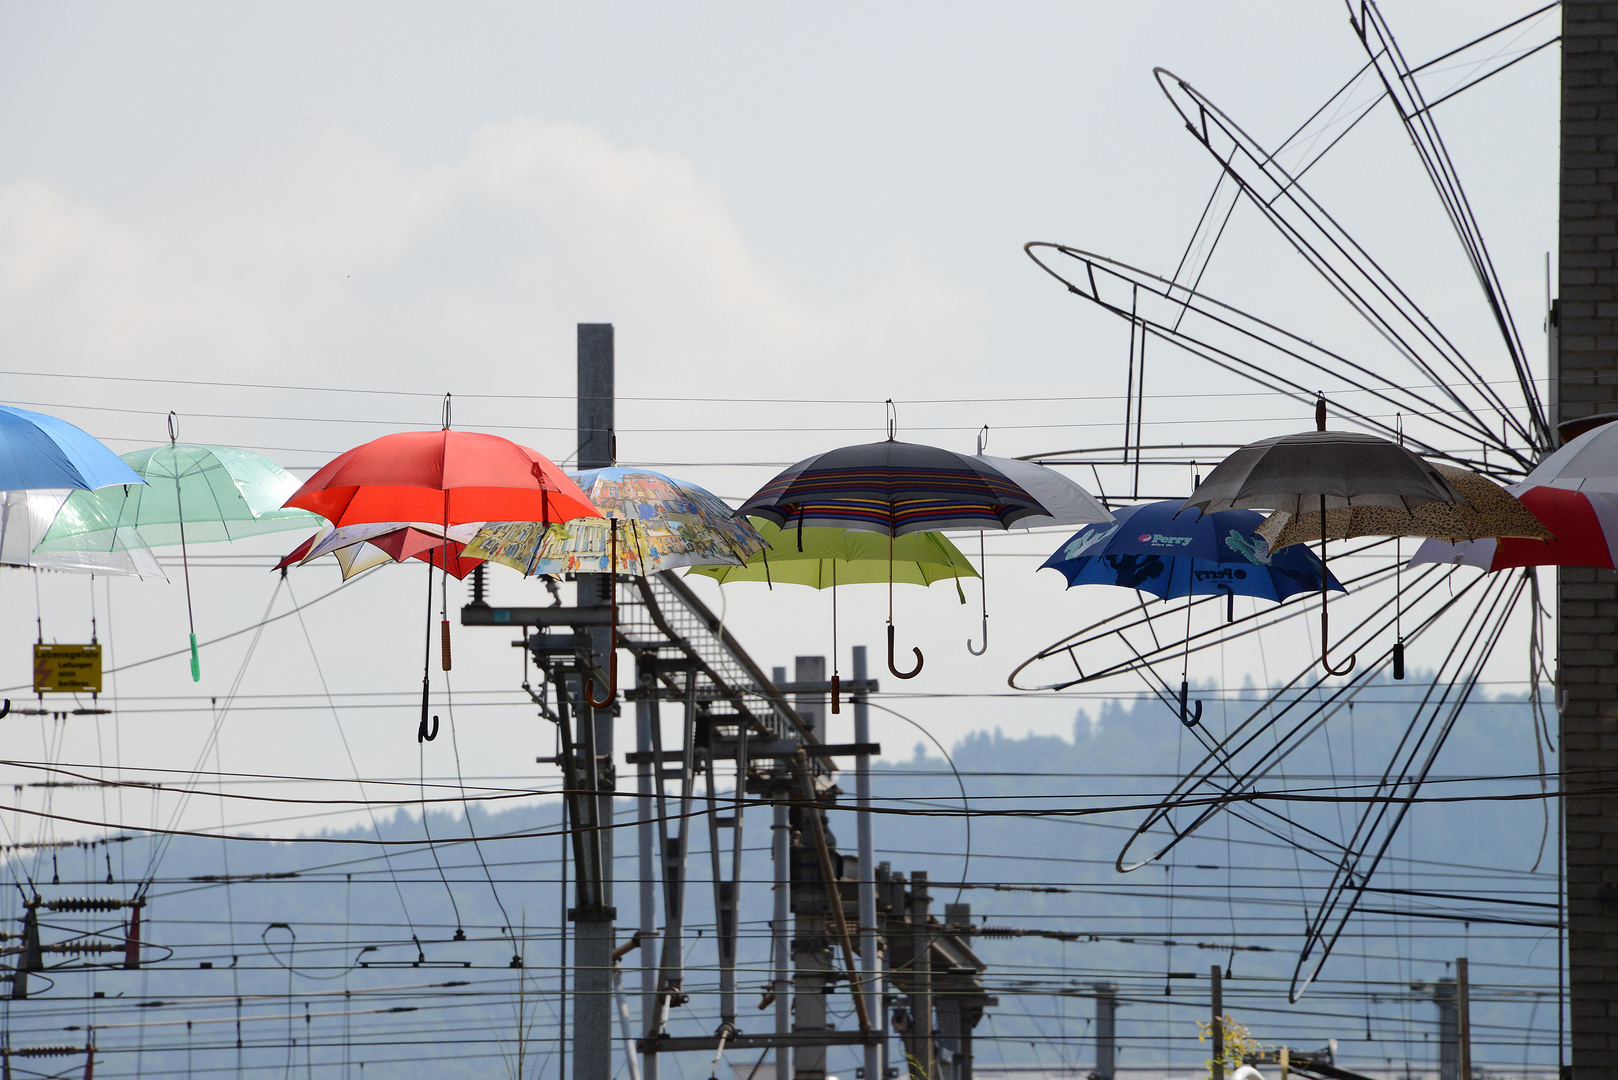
point(895, 488)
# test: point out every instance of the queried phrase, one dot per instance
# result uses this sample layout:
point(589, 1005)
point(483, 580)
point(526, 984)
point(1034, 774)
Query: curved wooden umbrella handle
point(891, 666)
point(612, 686)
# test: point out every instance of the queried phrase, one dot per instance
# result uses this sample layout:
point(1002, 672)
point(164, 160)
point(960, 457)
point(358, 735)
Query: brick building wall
point(1587, 383)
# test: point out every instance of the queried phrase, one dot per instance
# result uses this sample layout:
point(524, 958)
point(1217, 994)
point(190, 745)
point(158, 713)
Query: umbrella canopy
point(1489, 511)
point(895, 488)
point(445, 476)
point(1587, 463)
point(845, 557)
point(1323, 470)
point(451, 477)
point(1065, 502)
point(664, 523)
point(1294, 472)
point(192, 494)
point(1585, 524)
point(358, 548)
point(26, 515)
point(1158, 549)
point(39, 451)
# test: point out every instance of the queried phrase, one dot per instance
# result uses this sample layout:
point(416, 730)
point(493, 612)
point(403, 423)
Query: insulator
point(45, 1051)
point(84, 948)
point(86, 903)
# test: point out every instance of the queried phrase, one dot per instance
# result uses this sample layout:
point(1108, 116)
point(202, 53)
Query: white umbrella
point(1587, 463)
point(26, 514)
point(1068, 503)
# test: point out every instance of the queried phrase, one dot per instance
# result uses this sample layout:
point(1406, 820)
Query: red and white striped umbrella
point(1585, 524)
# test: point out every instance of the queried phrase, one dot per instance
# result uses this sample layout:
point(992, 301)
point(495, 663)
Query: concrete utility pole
point(1463, 1020)
point(1216, 1002)
point(593, 917)
point(1449, 1030)
point(1584, 381)
point(1106, 1030)
point(870, 962)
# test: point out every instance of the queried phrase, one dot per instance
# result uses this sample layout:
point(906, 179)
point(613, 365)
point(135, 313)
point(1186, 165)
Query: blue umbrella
point(1169, 552)
point(1160, 549)
point(39, 451)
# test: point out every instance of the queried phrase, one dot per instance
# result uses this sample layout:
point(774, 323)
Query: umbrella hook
point(424, 733)
point(1189, 718)
point(976, 651)
point(983, 585)
point(1320, 413)
point(612, 633)
point(912, 673)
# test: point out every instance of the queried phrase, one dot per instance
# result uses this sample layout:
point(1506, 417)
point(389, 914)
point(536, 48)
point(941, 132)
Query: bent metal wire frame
point(1456, 414)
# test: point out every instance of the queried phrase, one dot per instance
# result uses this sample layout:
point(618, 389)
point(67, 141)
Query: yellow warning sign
point(61, 669)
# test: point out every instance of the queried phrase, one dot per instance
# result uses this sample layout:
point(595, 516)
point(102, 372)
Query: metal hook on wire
point(174, 428)
point(446, 412)
point(893, 419)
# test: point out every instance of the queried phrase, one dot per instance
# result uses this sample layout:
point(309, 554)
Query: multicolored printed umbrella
point(664, 524)
point(895, 488)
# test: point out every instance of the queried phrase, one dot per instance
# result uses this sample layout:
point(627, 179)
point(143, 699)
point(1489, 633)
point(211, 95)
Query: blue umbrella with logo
point(1169, 552)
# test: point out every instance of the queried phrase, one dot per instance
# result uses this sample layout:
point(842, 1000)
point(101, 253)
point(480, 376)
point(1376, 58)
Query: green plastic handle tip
point(196, 662)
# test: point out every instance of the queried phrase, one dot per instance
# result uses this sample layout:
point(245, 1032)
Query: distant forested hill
point(349, 948)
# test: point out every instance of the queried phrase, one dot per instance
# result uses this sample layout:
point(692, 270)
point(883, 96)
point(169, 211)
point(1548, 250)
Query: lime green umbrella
point(831, 557)
point(823, 557)
point(193, 494)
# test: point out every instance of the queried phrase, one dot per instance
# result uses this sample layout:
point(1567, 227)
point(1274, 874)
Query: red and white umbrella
point(1585, 524)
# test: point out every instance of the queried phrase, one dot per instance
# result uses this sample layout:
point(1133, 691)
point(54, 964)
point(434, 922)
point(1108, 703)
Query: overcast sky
point(789, 213)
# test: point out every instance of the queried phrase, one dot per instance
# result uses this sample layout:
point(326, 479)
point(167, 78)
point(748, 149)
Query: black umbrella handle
point(1325, 578)
point(911, 674)
point(423, 732)
point(1188, 716)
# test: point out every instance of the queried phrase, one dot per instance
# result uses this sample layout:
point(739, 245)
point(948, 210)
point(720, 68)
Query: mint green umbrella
point(193, 494)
